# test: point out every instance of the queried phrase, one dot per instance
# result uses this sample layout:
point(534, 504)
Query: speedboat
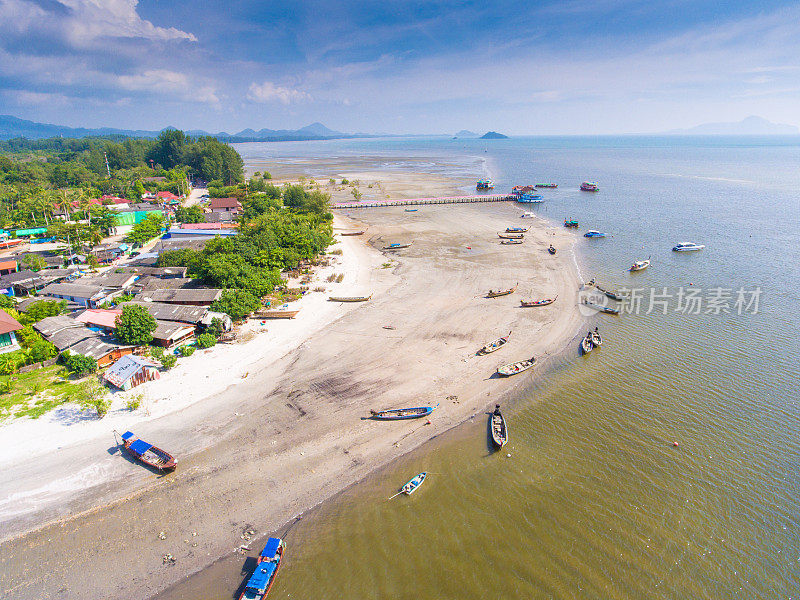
point(590, 186)
point(593, 233)
point(688, 247)
point(640, 265)
point(484, 184)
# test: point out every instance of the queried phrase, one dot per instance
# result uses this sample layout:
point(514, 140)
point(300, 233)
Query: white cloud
point(269, 92)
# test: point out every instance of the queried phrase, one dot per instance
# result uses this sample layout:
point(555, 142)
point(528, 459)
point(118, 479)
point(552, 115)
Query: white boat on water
point(640, 265)
point(688, 247)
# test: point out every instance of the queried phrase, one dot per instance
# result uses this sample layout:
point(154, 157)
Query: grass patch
point(35, 393)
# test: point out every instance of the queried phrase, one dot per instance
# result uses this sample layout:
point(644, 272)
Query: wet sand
point(292, 434)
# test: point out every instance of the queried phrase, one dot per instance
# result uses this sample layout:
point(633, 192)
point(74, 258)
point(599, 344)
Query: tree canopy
point(135, 325)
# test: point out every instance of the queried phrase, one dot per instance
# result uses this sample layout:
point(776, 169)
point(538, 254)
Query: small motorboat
point(527, 215)
point(147, 453)
point(600, 308)
point(531, 303)
point(484, 184)
point(269, 561)
point(589, 186)
point(412, 209)
point(688, 247)
point(397, 246)
point(362, 232)
point(613, 295)
point(508, 242)
point(594, 234)
point(511, 236)
point(546, 185)
point(572, 223)
point(596, 339)
point(552, 250)
point(516, 367)
point(495, 345)
point(516, 229)
point(349, 298)
point(640, 265)
point(497, 425)
point(587, 345)
point(401, 414)
point(411, 487)
point(497, 294)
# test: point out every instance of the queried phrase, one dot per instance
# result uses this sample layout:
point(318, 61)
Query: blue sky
point(566, 66)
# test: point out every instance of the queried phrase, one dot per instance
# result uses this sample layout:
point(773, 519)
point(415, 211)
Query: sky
point(518, 67)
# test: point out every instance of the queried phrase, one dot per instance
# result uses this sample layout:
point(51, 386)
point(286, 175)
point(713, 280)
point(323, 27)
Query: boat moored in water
point(589, 186)
point(498, 428)
point(547, 185)
point(640, 265)
point(401, 414)
point(594, 234)
point(530, 198)
point(571, 223)
point(412, 485)
point(269, 561)
point(516, 367)
point(688, 247)
point(147, 453)
point(600, 308)
point(484, 184)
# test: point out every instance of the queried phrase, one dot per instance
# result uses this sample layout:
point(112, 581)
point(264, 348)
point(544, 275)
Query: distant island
point(750, 126)
point(493, 135)
point(465, 133)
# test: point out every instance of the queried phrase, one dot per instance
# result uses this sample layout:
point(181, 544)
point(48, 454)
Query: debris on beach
point(162, 535)
point(168, 559)
point(242, 549)
point(453, 399)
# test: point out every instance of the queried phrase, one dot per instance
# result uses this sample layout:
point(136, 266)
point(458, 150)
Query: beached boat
point(269, 561)
point(495, 345)
point(147, 453)
point(544, 302)
point(511, 236)
point(516, 229)
point(552, 250)
point(613, 295)
point(412, 209)
point(527, 215)
point(497, 294)
point(600, 308)
point(547, 185)
point(507, 242)
point(362, 232)
point(277, 314)
point(349, 298)
point(497, 425)
point(589, 186)
point(688, 247)
point(640, 265)
point(594, 234)
point(484, 184)
point(571, 223)
point(397, 246)
point(586, 344)
point(401, 414)
point(6, 244)
point(516, 367)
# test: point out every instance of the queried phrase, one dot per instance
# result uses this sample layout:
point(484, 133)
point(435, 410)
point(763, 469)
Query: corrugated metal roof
point(172, 312)
point(75, 290)
point(126, 367)
point(206, 295)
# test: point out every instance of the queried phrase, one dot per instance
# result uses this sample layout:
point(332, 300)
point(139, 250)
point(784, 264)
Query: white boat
point(640, 265)
point(688, 247)
point(589, 186)
point(592, 233)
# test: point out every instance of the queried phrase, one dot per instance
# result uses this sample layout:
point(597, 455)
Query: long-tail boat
point(400, 414)
point(546, 185)
point(587, 345)
point(497, 294)
point(511, 236)
point(613, 295)
point(147, 453)
point(397, 246)
point(411, 487)
point(495, 345)
point(509, 242)
point(349, 298)
point(516, 367)
point(552, 249)
point(362, 232)
point(600, 308)
point(544, 302)
point(516, 229)
point(277, 314)
point(497, 424)
point(269, 561)
point(570, 223)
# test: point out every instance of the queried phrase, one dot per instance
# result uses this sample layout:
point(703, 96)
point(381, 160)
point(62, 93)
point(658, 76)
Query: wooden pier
point(423, 201)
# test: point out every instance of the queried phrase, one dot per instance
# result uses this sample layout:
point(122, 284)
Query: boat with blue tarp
point(269, 561)
point(148, 453)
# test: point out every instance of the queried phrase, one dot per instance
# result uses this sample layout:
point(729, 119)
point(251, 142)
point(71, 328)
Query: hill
point(750, 126)
point(493, 135)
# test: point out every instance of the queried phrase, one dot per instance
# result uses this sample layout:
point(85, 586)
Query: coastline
point(350, 370)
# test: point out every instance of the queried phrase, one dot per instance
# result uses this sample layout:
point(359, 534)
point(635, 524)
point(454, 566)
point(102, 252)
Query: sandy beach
point(269, 427)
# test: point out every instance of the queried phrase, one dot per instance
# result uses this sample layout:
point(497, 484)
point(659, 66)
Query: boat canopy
point(140, 446)
point(271, 549)
point(127, 435)
point(262, 575)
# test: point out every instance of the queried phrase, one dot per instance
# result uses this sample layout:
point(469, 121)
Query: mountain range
point(749, 126)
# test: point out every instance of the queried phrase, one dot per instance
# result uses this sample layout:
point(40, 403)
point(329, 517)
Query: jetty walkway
point(421, 201)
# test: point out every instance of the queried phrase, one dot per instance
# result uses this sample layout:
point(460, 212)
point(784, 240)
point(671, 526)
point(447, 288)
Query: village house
point(192, 297)
point(7, 267)
point(89, 296)
point(226, 205)
point(65, 333)
point(130, 371)
point(8, 325)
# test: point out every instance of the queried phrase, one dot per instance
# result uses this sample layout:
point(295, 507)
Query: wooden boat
point(397, 246)
point(593, 233)
point(497, 425)
point(269, 561)
point(400, 414)
point(600, 308)
point(484, 184)
point(516, 367)
point(497, 294)
point(586, 343)
point(613, 295)
point(349, 298)
point(516, 229)
point(640, 265)
point(147, 453)
point(547, 185)
point(495, 345)
point(596, 339)
point(509, 242)
point(511, 236)
point(570, 223)
point(412, 209)
point(552, 250)
point(413, 484)
point(277, 314)
point(531, 303)
point(362, 232)
point(589, 186)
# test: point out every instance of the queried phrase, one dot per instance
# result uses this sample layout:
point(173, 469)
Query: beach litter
point(168, 559)
point(162, 535)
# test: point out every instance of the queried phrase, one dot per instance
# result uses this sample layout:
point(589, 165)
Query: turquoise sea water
point(595, 500)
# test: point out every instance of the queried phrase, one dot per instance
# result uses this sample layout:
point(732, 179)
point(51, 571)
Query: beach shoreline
point(354, 372)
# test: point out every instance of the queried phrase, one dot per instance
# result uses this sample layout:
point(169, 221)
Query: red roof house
point(8, 325)
point(226, 205)
point(99, 317)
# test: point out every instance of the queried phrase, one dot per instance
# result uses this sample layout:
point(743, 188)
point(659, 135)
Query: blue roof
point(271, 549)
point(127, 435)
point(140, 446)
point(262, 575)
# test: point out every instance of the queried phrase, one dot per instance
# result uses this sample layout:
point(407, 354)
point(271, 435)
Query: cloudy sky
point(556, 66)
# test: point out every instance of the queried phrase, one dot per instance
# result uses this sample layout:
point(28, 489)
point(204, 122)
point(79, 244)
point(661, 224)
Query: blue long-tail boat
point(398, 414)
point(269, 561)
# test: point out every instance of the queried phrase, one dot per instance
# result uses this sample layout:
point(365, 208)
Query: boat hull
point(349, 298)
point(535, 303)
point(154, 457)
point(413, 485)
point(402, 414)
point(516, 368)
point(494, 346)
point(277, 314)
point(499, 432)
point(492, 294)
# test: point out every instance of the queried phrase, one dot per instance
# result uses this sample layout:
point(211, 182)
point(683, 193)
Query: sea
point(664, 465)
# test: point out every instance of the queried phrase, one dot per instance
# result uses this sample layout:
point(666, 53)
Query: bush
point(134, 402)
point(237, 304)
point(168, 361)
point(185, 350)
point(80, 365)
point(44, 308)
point(95, 396)
point(7, 301)
point(206, 340)
point(156, 352)
point(216, 328)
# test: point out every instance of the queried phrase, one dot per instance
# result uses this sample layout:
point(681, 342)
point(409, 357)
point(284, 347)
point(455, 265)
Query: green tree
point(168, 361)
point(169, 148)
point(44, 308)
point(191, 214)
point(147, 229)
point(237, 304)
point(135, 326)
point(95, 396)
point(206, 340)
point(32, 261)
point(80, 365)
point(7, 301)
